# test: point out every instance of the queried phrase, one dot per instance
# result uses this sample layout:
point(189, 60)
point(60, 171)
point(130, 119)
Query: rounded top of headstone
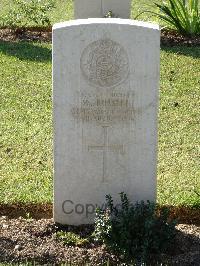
point(104, 63)
point(107, 21)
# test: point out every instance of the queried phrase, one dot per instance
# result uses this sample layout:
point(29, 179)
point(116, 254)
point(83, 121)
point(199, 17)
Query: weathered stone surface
point(105, 83)
point(100, 8)
point(87, 9)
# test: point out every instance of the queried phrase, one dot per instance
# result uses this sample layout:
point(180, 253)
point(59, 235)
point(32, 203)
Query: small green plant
point(70, 238)
point(28, 13)
point(182, 15)
point(28, 216)
point(135, 231)
point(110, 14)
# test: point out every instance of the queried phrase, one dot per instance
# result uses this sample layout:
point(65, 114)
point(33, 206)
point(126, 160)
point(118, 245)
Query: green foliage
point(110, 14)
point(70, 238)
point(28, 216)
point(182, 15)
point(136, 231)
point(28, 13)
point(63, 10)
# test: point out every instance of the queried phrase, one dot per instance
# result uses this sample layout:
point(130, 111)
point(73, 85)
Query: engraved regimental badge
point(104, 63)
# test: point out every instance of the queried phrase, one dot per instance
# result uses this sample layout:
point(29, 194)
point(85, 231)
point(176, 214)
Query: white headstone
point(105, 93)
point(100, 8)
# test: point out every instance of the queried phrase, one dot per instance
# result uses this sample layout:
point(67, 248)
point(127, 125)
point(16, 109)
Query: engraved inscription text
point(105, 109)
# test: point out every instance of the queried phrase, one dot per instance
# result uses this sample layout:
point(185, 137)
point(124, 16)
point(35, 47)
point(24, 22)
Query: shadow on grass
point(37, 52)
point(183, 214)
point(26, 51)
point(183, 50)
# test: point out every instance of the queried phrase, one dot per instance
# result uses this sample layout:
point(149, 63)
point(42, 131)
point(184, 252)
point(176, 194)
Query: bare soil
point(32, 240)
point(183, 214)
point(172, 38)
point(168, 38)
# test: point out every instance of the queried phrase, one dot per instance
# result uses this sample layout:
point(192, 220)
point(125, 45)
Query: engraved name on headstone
point(105, 83)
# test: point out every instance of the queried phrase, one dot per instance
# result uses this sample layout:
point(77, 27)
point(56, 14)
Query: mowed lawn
point(26, 124)
point(26, 118)
point(64, 9)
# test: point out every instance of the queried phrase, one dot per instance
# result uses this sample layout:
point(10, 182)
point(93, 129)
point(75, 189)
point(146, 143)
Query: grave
point(100, 8)
point(105, 102)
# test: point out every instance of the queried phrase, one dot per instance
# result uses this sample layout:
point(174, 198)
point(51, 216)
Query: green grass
point(26, 124)
point(64, 10)
point(179, 171)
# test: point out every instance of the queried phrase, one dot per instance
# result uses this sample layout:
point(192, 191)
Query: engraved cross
point(105, 148)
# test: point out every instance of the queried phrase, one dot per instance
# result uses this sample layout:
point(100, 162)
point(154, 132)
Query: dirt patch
point(168, 37)
point(35, 240)
point(183, 214)
point(36, 211)
point(172, 38)
point(21, 34)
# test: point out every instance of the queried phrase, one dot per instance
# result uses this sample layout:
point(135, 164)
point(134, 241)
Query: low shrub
point(28, 13)
point(134, 231)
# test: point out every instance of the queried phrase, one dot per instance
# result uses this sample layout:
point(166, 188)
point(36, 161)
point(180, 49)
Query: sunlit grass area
point(64, 10)
point(26, 124)
point(26, 120)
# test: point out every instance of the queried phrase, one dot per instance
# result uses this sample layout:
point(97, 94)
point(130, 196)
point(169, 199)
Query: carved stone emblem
point(104, 63)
